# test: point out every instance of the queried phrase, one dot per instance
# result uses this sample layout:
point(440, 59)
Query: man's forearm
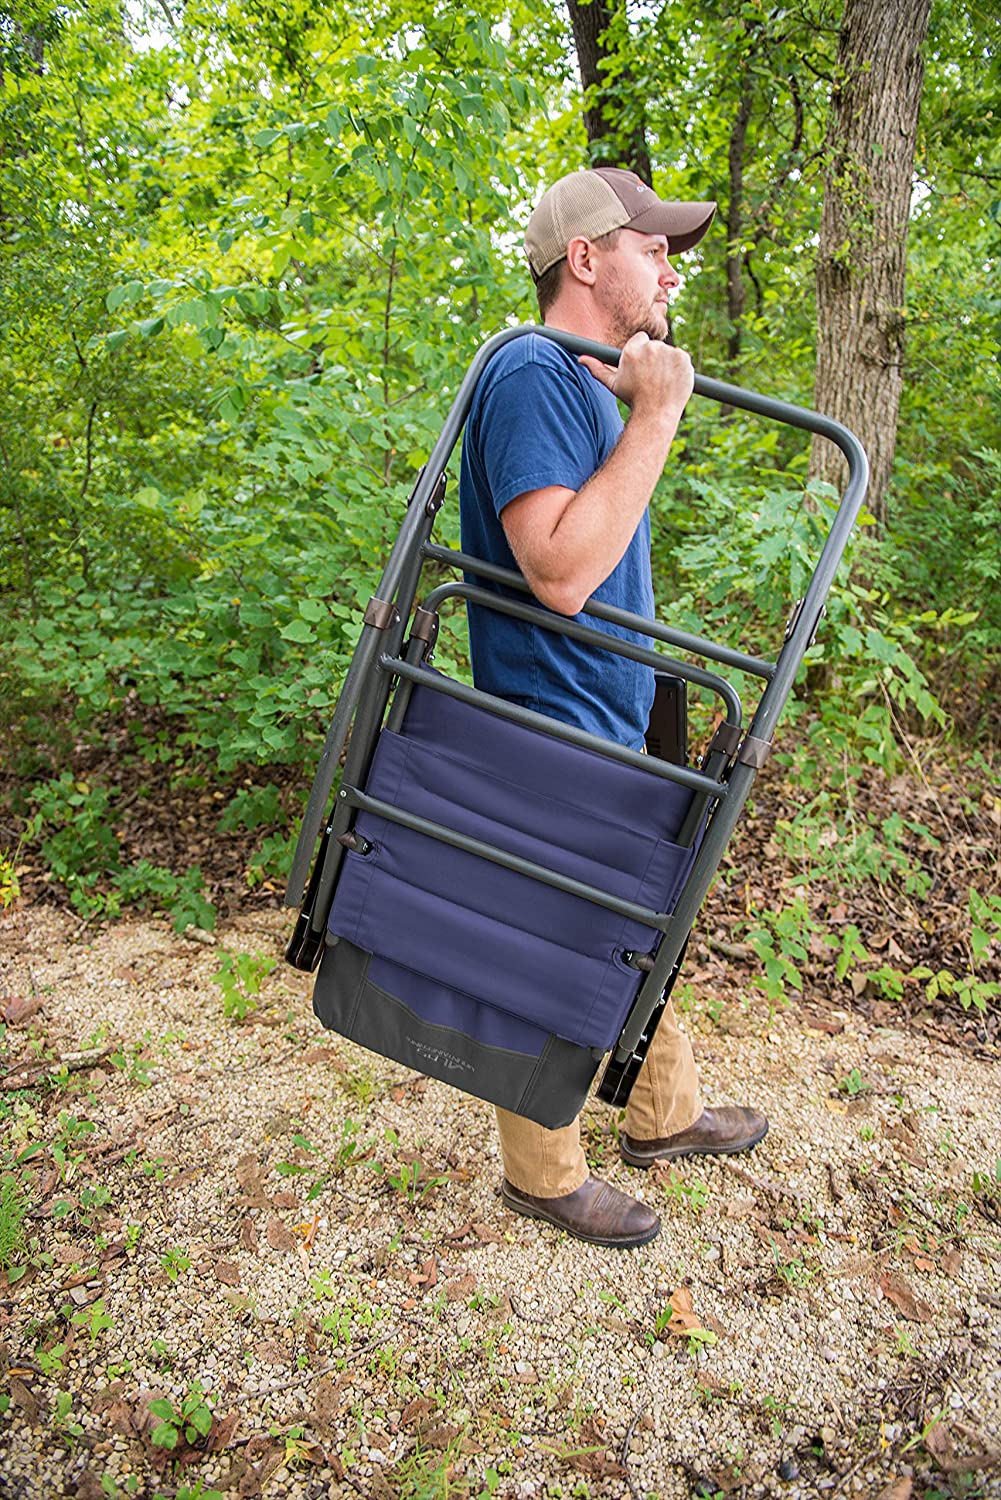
point(597, 524)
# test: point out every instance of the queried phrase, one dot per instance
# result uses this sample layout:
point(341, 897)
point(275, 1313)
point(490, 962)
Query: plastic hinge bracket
point(753, 752)
point(381, 613)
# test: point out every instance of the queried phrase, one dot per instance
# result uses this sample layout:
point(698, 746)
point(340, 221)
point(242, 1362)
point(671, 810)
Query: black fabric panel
point(549, 1089)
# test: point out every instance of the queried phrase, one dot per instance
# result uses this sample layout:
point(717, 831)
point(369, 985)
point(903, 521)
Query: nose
point(669, 277)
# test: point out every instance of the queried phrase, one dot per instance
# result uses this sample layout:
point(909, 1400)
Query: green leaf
point(201, 1420)
point(298, 630)
point(265, 138)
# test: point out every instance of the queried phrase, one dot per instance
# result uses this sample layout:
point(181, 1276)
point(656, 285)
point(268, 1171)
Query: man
point(554, 484)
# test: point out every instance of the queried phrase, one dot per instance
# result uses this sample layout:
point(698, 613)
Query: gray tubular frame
point(378, 660)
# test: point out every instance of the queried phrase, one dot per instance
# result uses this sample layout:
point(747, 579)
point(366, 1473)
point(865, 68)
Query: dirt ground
point(287, 1258)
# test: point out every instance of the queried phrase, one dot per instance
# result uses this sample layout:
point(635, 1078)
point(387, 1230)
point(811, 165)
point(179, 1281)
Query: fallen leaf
point(683, 1319)
point(248, 1175)
point(248, 1235)
point(326, 1400)
point(414, 1410)
point(427, 1276)
point(270, 1352)
point(89, 1487)
point(896, 1290)
point(19, 1009)
point(475, 1230)
point(938, 1442)
point(22, 1397)
point(223, 1432)
point(227, 1272)
point(278, 1237)
point(739, 1208)
point(325, 1055)
point(897, 1489)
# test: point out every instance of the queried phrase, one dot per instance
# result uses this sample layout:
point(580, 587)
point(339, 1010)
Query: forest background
point(247, 252)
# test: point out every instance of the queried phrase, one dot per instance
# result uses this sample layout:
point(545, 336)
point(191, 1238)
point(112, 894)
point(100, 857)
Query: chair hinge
point(381, 613)
point(797, 610)
point(753, 752)
point(424, 626)
point(437, 499)
point(725, 738)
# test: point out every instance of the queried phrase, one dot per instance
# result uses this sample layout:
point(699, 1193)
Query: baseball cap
point(596, 201)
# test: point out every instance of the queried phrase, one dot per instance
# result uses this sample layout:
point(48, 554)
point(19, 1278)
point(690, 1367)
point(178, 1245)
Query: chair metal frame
point(387, 655)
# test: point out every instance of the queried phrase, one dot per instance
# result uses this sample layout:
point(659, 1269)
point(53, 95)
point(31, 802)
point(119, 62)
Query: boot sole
point(677, 1152)
point(608, 1241)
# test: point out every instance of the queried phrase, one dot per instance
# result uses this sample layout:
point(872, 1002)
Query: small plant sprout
point(190, 1420)
point(240, 977)
point(853, 1084)
point(174, 1261)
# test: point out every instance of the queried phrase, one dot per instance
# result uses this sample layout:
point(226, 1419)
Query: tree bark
point(615, 132)
point(735, 296)
point(863, 236)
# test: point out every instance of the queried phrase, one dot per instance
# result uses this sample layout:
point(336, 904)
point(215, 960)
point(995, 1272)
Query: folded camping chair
point(499, 899)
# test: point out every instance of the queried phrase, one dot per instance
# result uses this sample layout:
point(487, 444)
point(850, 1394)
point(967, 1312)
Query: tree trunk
point(615, 131)
point(863, 235)
point(735, 297)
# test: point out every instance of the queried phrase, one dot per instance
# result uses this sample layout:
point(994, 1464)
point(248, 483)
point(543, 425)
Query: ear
point(580, 259)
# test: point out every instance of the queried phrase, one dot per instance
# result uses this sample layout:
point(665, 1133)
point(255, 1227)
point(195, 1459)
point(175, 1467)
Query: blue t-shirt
point(539, 418)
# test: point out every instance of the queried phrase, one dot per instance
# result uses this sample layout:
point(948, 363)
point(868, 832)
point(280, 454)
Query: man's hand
point(652, 378)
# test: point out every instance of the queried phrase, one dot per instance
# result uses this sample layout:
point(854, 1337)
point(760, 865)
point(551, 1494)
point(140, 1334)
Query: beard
point(630, 312)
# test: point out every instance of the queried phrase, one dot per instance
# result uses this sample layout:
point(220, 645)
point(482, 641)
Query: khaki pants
point(664, 1100)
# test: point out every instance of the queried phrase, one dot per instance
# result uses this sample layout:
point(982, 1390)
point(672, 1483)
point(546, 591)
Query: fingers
point(605, 373)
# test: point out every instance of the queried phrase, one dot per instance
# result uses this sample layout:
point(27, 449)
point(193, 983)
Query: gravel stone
point(558, 1367)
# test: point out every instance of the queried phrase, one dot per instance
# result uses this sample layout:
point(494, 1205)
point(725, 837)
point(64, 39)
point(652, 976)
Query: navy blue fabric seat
point(457, 966)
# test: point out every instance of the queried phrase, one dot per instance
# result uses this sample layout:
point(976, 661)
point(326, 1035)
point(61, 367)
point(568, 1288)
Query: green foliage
point(779, 942)
point(190, 1419)
point(13, 1211)
point(784, 940)
point(74, 822)
point(240, 977)
point(230, 326)
point(10, 884)
point(174, 1261)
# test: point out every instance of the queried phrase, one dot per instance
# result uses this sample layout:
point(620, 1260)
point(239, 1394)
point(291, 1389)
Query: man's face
point(633, 284)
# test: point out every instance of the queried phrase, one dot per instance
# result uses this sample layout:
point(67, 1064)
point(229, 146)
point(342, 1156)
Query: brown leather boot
point(596, 1212)
point(717, 1132)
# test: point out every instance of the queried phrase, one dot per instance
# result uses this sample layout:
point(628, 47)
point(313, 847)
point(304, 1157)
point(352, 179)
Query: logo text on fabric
point(439, 1057)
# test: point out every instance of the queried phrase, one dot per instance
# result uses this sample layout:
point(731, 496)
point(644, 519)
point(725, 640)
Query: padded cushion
point(463, 926)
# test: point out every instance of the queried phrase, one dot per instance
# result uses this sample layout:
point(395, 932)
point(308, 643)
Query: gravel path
point(306, 1245)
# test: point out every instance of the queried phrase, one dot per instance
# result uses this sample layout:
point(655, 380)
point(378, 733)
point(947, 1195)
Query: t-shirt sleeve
point(536, 428)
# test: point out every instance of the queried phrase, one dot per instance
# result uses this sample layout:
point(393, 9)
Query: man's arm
point(567, 542)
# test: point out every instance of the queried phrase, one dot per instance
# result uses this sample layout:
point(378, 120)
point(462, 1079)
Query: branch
point(90, 449)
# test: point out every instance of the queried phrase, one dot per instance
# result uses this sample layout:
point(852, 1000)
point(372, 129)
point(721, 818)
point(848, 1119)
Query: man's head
point(593, 206)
